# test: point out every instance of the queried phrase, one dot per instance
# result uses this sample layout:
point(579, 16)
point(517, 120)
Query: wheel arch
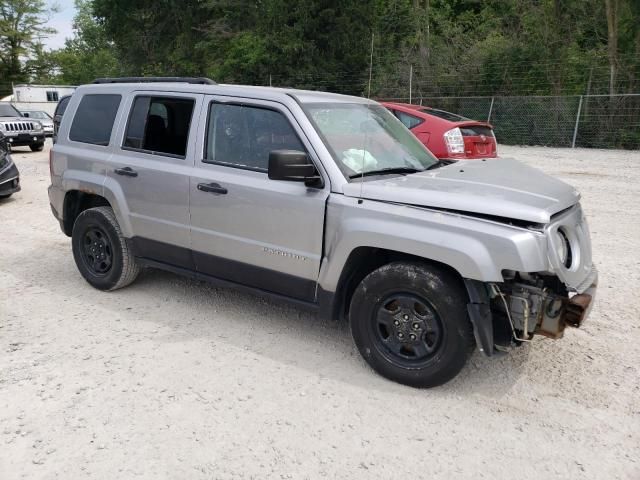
point(360, 263)
point(364, 260)
point(77, 201)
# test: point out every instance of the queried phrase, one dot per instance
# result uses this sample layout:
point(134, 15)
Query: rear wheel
point(410, 323)
point(102, 255)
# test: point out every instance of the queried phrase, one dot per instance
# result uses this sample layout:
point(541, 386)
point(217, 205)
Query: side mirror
point(25, 114)
point(293, 166)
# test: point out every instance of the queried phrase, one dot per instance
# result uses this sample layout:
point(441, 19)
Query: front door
point(246, 228)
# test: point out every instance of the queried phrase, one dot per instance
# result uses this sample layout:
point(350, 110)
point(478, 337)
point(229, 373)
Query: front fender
point(476, 248)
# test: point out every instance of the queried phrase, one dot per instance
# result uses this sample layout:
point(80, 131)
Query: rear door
point(246, 228)
point(151, 167)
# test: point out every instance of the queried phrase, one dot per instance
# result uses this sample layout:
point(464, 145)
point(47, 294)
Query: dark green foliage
point(453, 47)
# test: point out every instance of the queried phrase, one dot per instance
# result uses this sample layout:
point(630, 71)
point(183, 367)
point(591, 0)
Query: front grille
point(18, 126)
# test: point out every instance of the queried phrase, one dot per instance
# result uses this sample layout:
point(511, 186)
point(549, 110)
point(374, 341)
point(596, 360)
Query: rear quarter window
point(94, 118)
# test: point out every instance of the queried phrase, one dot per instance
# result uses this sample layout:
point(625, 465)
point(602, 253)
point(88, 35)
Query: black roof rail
point(195, 80)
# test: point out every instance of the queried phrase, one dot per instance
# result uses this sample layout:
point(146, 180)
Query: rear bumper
point(56, 202)
point(9, 180)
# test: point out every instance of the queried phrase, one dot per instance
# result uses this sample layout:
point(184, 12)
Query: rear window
point(476, 131)
point(94, 119)
point(452, 117)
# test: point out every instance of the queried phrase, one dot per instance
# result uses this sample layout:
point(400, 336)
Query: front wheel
point(410, 323)
point(103, 256)
point(36, 147)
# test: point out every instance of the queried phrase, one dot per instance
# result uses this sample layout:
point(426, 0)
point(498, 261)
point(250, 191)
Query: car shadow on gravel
point(191, 309)
point(321, 346)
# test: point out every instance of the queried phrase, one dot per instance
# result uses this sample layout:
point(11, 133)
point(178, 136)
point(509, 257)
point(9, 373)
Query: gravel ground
point(173, 378)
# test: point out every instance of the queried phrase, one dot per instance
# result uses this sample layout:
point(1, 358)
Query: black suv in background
point(9, 176)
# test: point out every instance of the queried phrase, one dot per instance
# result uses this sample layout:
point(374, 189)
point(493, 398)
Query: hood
point(15, 119)
point(499, 187)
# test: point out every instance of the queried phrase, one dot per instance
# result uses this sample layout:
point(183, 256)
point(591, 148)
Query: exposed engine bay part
point(535, 304)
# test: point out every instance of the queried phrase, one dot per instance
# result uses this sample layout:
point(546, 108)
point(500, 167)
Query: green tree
point(22, 26)
point(89, 54)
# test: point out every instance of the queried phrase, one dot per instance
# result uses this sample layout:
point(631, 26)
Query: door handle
point(212, 188)
point(126, 171)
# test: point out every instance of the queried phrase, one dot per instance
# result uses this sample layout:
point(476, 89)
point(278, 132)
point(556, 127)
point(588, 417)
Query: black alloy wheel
point(408, 329)
point(410, 323)
point(102, 254)
point(98, 251)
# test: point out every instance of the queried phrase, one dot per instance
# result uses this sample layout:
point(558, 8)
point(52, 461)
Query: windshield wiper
point(438, 164)
point(386, 171)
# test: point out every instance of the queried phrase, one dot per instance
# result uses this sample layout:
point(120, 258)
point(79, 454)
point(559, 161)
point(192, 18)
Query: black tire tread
point(440, 279)
point(130, 267)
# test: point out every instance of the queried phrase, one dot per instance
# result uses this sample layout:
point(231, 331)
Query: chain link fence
point(593, 121)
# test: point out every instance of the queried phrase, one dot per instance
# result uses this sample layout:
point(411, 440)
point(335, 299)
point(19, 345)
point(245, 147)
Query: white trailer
point(38, 97)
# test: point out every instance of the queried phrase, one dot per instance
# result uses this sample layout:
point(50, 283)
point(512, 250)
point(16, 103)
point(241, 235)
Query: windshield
point(366, 138)
point(7, 110)
point(39, 115)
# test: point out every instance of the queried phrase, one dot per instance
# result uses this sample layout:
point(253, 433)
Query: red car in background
point(446, 134)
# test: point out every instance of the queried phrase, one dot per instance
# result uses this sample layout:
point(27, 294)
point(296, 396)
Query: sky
point(61, 21)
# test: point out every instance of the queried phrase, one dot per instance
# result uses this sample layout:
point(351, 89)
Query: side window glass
point(159, 125)
point(409, 120)
point(62, 106)
point(160, 110)
point(94, 119)
point(243, 136)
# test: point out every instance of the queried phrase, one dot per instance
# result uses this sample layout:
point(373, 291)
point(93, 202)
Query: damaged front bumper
point(539, 310)
point(516, 310)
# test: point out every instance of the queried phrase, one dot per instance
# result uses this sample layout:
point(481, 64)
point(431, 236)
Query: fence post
point(575, 130)
point(410, 81)
point(490, 110)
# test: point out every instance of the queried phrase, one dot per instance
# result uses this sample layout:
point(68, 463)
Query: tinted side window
point(409, 120)
point(94, 119)
point(62, 105)
point(159, 125)
point(243, 136)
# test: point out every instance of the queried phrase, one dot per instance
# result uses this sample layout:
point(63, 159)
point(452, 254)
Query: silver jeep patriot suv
point(327, 201)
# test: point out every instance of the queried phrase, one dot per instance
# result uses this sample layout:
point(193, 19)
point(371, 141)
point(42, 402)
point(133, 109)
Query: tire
point(410, 323)
point(2, 197)
point(36, 147)
point(103, 256)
